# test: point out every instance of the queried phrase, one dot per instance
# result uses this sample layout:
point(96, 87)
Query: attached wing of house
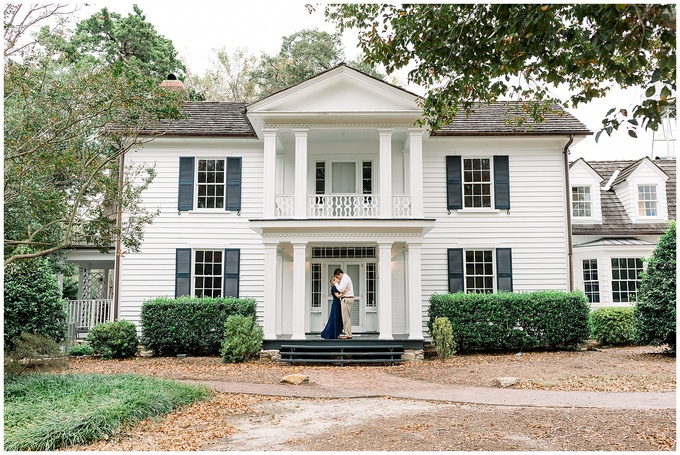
point(619, 211)
point(267, 200)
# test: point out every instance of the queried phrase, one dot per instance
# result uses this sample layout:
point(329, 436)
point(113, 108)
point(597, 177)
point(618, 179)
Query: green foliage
point(114, 340)
point(522, 51)
point(35, 353)
point(303, 54)
point(189, 325)
point(242, 339)
point(655, 312)
point(612, 326)
point(80, 349)
point(49, 412)
point(442, 338)
point(514, 321)
point(129, 40)
point(66, 125)
point(32, 301)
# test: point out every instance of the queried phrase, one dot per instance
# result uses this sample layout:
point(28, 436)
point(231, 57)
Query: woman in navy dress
point(334, 325)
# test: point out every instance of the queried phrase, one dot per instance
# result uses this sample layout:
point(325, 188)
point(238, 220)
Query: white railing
point(284, 206)
point(401, 205)
point(85, 314)
point(343, 206)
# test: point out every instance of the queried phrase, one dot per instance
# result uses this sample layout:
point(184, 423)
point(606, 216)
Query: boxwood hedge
point(189, 325)
point(514, 321)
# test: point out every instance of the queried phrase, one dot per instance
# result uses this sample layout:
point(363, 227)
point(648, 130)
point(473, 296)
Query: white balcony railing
point(342, 206)
point(85, 314)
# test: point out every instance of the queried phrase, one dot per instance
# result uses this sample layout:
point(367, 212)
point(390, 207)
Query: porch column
point(385, 172)
point(416, 168)
point(385, 290)
point(269, 172)
point(415, 304)
point(301, 173)
point(270, 311)
point(299, 290)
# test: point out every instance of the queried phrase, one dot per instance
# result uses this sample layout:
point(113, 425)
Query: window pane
point(208, 273)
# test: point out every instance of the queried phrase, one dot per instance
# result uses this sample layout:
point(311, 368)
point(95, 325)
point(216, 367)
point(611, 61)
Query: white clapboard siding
point(151, 272)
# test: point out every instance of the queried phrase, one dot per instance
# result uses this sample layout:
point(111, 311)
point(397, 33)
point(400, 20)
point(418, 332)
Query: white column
point(416, 175)
point(301, 173)
point(385, 290)
point(385, 172)
point(269, 172)
point(299, 290)
point(270, 291)
point(414, 298)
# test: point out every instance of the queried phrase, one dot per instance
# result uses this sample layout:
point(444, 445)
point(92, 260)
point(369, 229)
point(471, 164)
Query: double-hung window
point(581, 202)
point(207, 272)
point(213, 183)
point(647, 200)
point(479, 270)
point(625, 277)
point(591, 283)
point(477, 183)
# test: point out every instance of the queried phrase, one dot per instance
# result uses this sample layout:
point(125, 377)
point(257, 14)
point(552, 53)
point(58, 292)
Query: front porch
point(357, 339)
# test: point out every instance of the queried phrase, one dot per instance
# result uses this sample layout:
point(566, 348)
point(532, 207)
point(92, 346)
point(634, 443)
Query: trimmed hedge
point(189, 325)
point(114, 340)
point(514, 321)
point(612, 326)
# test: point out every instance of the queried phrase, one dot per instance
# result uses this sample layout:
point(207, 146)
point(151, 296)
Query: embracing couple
point(340, 320)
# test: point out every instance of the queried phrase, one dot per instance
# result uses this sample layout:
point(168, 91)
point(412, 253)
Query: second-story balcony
point(348, 206)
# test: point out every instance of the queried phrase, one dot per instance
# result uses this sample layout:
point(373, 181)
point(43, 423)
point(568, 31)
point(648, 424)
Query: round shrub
point(114, 340)
point(80, 350)
point(242, 339)
point(33, 302)
point(612, 326)
point(655, 311)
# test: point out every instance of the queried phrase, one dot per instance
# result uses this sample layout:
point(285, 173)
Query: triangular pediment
point(341, 91)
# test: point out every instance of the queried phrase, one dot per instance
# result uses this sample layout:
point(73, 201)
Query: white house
point(266, 200)
point(619, 211)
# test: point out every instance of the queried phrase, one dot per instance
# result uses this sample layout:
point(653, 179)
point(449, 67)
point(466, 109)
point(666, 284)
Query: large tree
point(227, 78)
point(66, 126)
point(466, 53)
point(303, 54)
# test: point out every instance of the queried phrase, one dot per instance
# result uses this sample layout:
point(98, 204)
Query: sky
point(197, 27)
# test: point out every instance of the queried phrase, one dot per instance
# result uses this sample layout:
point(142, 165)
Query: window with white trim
point(591, 283)
point(210, 184)
point(581, 202)
point(208, 273)
point(479, 276)
point(625, 278)
point(477, 182)
point(647, 200)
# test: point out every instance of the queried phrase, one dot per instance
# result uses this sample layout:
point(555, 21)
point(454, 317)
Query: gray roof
point(615, 220)
point(496, 119)
point(216, 119)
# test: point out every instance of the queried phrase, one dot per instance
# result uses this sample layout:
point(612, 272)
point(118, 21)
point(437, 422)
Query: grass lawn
point(50, 411)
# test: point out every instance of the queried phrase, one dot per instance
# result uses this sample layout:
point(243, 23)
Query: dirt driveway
point(238, 422)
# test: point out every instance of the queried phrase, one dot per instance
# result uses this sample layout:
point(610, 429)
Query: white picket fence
point(85, 314)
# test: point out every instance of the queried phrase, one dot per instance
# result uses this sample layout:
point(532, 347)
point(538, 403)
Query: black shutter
point(232, 268)
point(454, 183)
point(501, 181)
point(185, 193)
point(504, 268)
point(456, 275)
point(233, 190)
point(182, 272)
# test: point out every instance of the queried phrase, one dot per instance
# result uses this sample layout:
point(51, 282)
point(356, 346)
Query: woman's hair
point(333, 278)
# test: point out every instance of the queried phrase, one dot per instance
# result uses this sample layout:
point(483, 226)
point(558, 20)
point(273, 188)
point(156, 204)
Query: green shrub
point(655, 312)
point(514, 321)
point(442, 338)
point(189, 325)
point(114, 340)
point(33, 352)
point(80, 349)
point(612, 326)
point(242, 339)
point(32, 302)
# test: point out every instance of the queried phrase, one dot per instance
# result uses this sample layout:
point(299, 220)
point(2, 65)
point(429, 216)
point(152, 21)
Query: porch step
point(342, 353)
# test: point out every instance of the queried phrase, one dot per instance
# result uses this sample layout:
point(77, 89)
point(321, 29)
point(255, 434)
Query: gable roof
point(615, 220)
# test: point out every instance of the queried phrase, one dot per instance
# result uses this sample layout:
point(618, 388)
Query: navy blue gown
point(334, 325)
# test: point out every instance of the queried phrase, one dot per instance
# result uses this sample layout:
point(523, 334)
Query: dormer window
point(647, 200)
point(581, 201)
